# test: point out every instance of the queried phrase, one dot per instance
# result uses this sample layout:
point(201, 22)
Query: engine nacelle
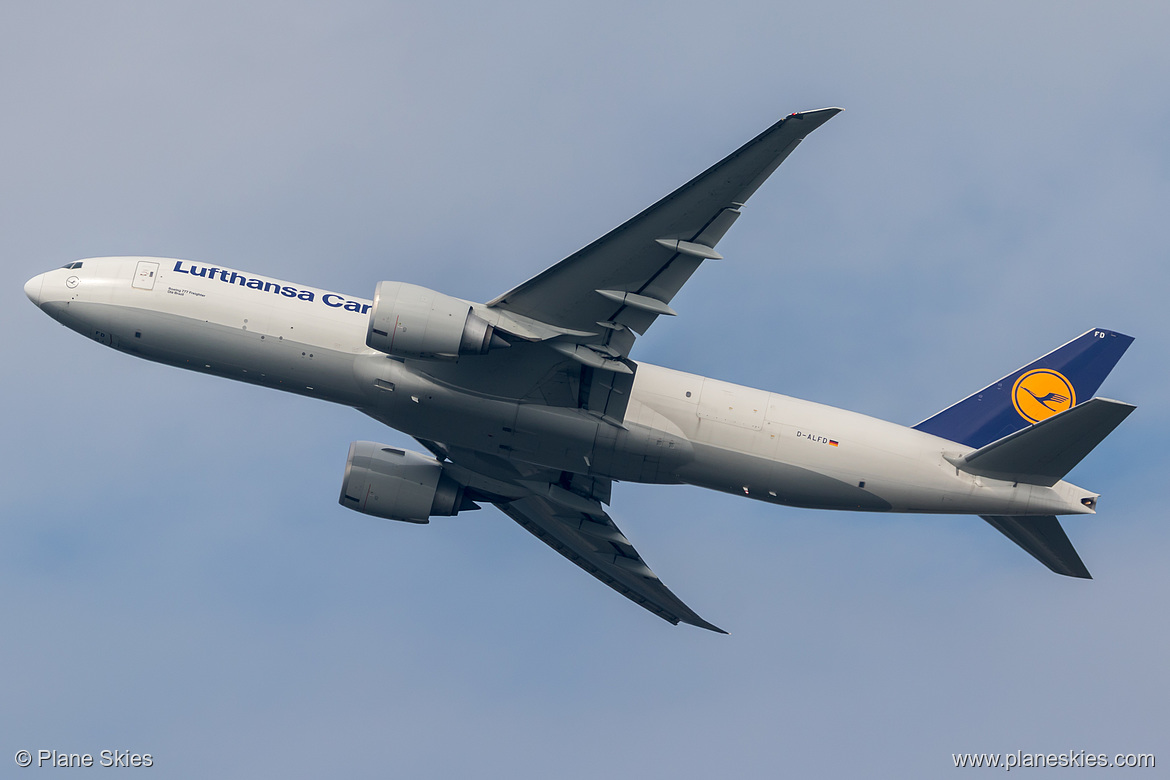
point(399, 485)
point(411, 321)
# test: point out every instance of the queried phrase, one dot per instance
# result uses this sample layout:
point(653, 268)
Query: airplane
point(532, 402)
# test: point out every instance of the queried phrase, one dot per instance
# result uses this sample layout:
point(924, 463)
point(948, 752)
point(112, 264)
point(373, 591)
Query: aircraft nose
point(32, 288)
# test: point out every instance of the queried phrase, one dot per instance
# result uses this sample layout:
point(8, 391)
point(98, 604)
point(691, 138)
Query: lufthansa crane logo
point(1039, 394)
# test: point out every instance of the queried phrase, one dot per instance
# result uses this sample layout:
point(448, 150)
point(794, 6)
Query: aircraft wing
point(592, 541)
point(573, 325)
point(564, 511)
point(624, 280)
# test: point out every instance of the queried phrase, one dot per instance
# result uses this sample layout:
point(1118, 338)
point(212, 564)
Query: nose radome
point(32, 288)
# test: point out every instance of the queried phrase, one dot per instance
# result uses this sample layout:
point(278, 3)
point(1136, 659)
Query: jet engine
point(411, 321)
point(399, 485)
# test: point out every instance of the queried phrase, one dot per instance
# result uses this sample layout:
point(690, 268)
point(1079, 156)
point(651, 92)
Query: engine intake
point(411, 321)
point(399, 484)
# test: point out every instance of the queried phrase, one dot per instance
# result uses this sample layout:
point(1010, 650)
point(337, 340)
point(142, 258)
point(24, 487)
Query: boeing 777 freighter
point(531, 401)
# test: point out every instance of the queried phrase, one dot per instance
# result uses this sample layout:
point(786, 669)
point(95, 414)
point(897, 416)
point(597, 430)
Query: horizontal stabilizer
point(1043, 538)
point(1041, 389)
point(1043, 453)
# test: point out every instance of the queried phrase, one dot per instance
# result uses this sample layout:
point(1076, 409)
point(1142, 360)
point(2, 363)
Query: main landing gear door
point(144, 275)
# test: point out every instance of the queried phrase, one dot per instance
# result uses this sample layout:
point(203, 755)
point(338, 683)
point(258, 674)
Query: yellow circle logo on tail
point(1039, 394)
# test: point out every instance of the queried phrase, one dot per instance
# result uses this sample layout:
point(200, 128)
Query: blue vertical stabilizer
point(1052, 384)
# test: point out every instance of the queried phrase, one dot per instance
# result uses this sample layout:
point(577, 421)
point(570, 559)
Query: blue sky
point(180, 580)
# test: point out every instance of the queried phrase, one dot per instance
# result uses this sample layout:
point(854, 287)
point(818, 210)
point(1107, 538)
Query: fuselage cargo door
point(144, 275)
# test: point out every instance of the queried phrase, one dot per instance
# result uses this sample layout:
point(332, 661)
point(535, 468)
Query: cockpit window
point(72, 266)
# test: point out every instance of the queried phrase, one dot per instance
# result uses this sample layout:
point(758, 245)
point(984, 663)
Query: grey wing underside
point(652, 255)
point(573, 325)
point(565, 512)
point(593, 542)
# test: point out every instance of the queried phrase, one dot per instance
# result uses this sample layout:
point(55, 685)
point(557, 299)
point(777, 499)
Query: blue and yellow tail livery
point(1055, 383)
point(1033, 426)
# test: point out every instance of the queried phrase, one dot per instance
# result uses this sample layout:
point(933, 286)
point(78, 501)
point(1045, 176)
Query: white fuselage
point(679, 428)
